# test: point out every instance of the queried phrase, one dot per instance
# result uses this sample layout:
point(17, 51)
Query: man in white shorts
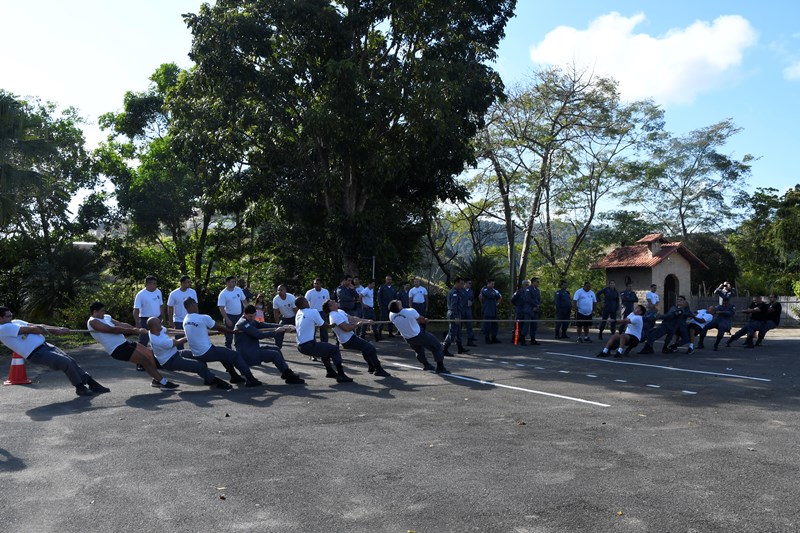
point(28, 341)
point(625, 342)
point(111, 333)
point(345, 326)
point(408, 322)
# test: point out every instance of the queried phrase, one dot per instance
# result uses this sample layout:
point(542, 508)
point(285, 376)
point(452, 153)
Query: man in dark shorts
point(583, 301)
point(27, 340)
point(111, 333)
point(625, 342)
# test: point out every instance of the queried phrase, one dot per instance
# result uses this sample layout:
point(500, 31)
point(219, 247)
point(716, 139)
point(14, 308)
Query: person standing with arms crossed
point(469, 298)
point(419, 299)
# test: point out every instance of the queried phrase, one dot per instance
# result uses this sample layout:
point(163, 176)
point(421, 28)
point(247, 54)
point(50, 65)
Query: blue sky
point(703, 61)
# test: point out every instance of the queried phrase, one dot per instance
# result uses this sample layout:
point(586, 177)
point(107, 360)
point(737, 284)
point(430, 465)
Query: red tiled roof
point(639, 256)
point(652, 237)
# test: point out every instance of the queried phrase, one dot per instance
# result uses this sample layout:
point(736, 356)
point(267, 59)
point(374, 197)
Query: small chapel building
point(652, 260)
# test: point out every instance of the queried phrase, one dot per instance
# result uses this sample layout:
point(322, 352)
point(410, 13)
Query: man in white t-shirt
point(651, 296)
point(625, 342)
point(28, 340)
point(368, 311)
point(284, 311)
point(196, 326)
point(148, 302)
point(231, 301)
point(317, 296)
point(306, 323)
point(175, 309)
point(111, 333)
point(345, 326)
point(408, 323)
point(698, 323)
point(583, 302)
point(170, 357)
point(418, 295)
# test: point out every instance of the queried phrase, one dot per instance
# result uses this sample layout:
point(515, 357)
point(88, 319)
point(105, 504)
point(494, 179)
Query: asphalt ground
point(518, 439)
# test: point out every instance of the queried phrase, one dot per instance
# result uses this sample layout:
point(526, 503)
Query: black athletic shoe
point(689, 351)
point(81, 390)
point(220, 384)
point(565, 337)
point(647, 349)
point(382, 373)
point(428, 366)
point(447, 353)
point(716, 347)
point(371, 369)
point(440, 369)
point(602, 354)
point(534, 342)
point(343, 378)
point(96, 387)
point(236, 378)
point(331, 374)
point(252, 382)
point(168, 386)
point(495, 340)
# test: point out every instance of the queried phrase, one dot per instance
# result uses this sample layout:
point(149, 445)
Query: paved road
point(519, 439)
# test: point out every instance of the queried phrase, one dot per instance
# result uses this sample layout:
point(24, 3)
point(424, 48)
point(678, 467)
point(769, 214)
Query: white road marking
point(654, 386)
point(590, 376)
point(620, 381)
point(539, 368)
point(688, 392)
point(659, 366)
point(564, 371)
point(520, 364)
point(511, 387)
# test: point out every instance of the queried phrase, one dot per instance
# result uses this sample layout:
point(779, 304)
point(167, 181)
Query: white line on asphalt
point(654, 386)
point(659, 366)
point(620, 381)
point(564, 371)
point(688, 392)
point(590, 376)
point(511, 387)
point(520, 364)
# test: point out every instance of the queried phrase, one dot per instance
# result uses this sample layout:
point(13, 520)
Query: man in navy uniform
point(610, 306)
point(455, 312)
point(469, 298)
point(489, 298)
point(534, 304)
point(563, 302)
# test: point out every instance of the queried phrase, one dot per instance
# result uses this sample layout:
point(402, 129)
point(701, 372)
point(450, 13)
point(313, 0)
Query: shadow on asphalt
point(9, 462)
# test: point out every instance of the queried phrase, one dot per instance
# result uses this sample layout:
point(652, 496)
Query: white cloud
point(792, 72)
point(670, 68)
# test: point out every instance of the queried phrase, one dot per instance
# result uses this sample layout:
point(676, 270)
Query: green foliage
point(710, 248)
point(623, 228)
point(688, 184)
point(116, 295)
point(353, 121)
point(766, 245)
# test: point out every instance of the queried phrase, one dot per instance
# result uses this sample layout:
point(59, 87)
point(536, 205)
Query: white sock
point(605, 350)
point(163, 381)
point(691, 346)
point(619, 350)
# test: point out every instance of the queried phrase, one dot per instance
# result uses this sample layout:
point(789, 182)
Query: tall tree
point(690, 184)
point(553, 149)
point(354, 115)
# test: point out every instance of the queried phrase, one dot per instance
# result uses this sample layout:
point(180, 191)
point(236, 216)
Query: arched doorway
point(671, 291)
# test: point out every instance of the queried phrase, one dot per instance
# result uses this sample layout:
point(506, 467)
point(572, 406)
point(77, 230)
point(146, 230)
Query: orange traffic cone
point(17, 374)
point(516, 334)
